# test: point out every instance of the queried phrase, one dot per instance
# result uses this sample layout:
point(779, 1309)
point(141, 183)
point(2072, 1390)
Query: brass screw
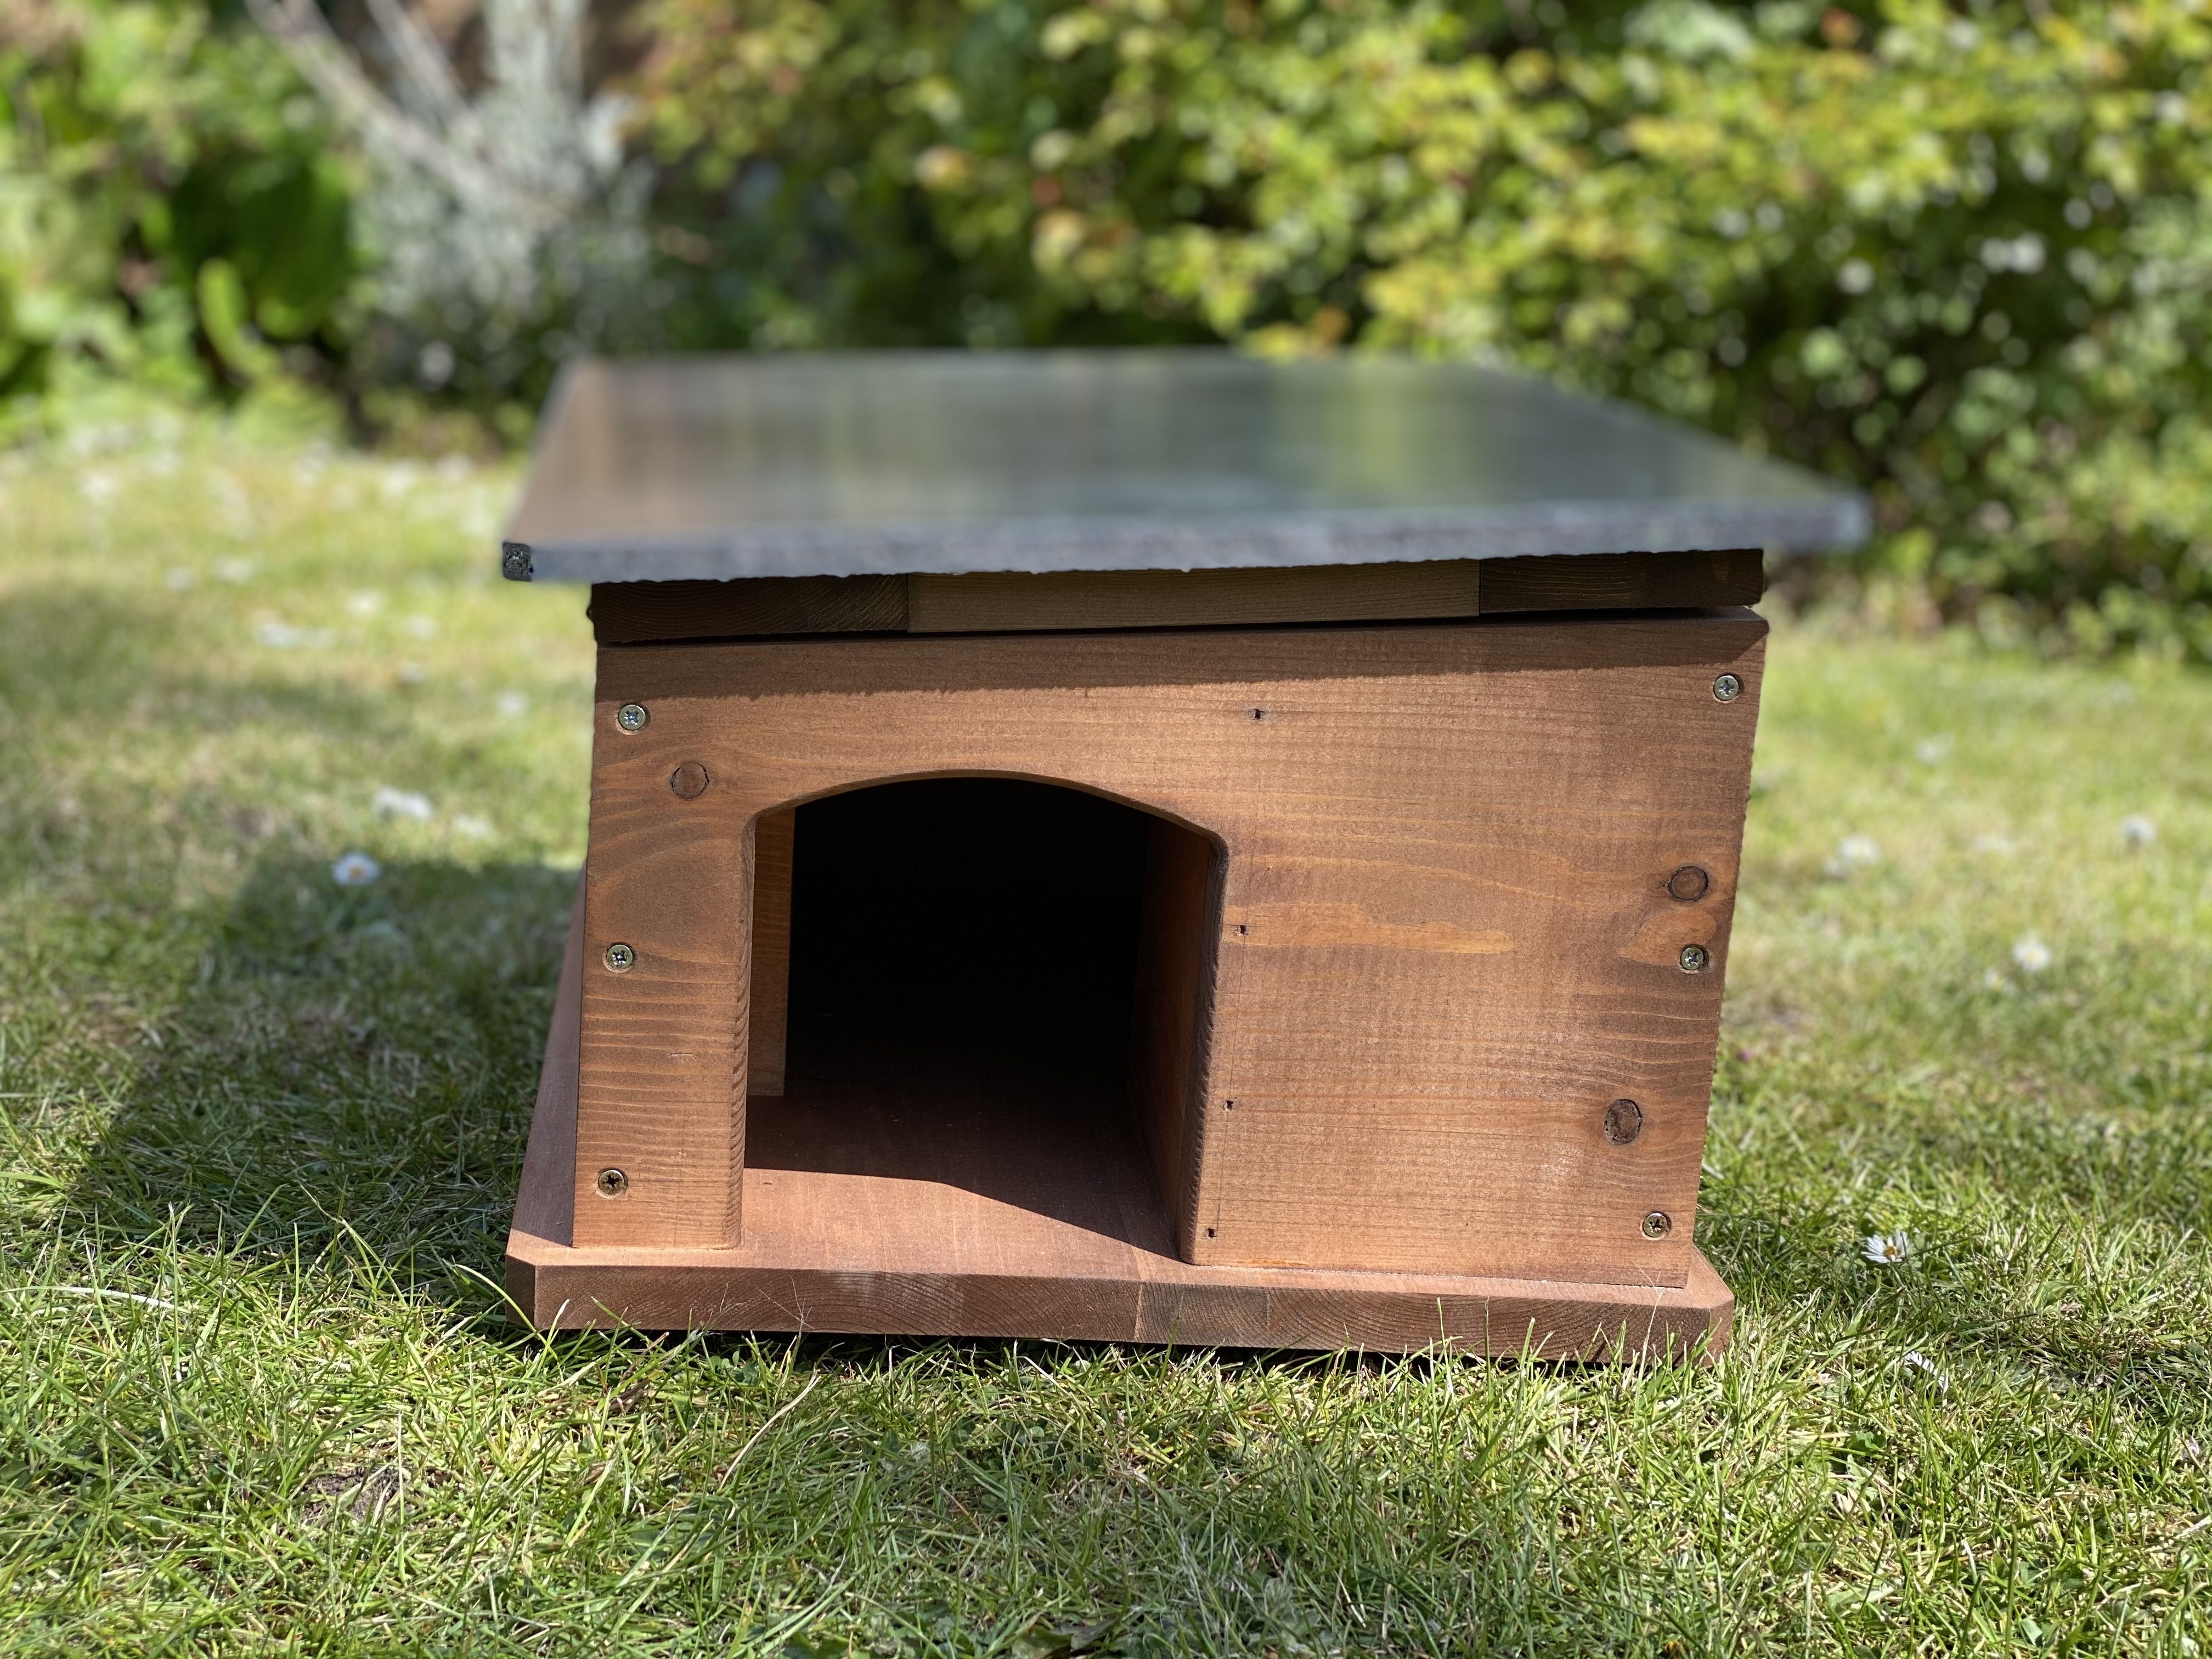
point(621, 957)
point(1658, 1225)
point(1688, 885)
point(632, 717)
point(1728, 688)
point(1695, 958)
point(612, 1183)
point(689, 780)
point(1624, 1121)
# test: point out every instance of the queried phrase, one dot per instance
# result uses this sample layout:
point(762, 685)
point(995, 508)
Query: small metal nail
point(1695, 958)
point(612, 1183)
point(1658, 1225)
point(1728, 688)
point(620, 958)
point(632, 717)
point(689, 780)
point(515, 561)
point(1688, 884)
point(1624, 1121)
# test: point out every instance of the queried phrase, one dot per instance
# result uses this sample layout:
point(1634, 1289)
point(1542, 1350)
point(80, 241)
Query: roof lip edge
point(1830, 519)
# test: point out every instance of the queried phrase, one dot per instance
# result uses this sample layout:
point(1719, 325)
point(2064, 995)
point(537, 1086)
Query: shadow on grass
point(359, 1059)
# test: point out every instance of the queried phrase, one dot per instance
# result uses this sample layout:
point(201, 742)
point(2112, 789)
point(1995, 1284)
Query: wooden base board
point(933, 1202)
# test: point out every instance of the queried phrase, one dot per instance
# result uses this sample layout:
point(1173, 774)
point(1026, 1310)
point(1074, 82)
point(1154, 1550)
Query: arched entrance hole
point(994, 986)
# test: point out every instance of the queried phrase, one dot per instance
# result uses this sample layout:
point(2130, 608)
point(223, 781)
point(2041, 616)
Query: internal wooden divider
point(771, 956)
point(1173, 998)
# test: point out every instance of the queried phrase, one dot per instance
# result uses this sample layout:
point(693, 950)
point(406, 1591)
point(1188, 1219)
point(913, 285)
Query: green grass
point(259, 1135)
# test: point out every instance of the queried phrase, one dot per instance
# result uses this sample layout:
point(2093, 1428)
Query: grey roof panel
point(886, 462)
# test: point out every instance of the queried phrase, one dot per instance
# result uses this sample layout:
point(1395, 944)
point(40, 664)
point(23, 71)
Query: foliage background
point(1958, 252)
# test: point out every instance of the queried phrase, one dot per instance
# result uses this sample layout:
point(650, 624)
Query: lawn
point(258, 1392)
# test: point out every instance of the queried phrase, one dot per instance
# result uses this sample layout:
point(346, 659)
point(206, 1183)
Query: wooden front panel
point(1447, 943)
point(660, 1095)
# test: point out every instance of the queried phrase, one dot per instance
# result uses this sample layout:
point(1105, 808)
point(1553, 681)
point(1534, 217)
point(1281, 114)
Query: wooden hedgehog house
point(1145, 846)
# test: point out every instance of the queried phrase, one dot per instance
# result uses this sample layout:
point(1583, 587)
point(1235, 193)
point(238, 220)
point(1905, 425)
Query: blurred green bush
point(173, 207)
point(1958, 252)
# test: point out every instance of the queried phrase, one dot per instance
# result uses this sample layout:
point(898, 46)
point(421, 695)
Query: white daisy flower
point(1853, 853)
point(2137, 831)
point(1914, 1360)
point(1932, 751)
point(403, 803)
point(1888, 1249)
point(356, 869)
point(2030, 955)
point(282, 637)
point(512, 704)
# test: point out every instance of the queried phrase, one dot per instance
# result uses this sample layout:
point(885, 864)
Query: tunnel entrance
point(994, 987)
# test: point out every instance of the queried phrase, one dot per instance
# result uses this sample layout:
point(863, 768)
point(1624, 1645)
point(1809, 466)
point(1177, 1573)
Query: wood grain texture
point(1176, 935)
point(1015, 602)
point(771, 940)
point(1447, 943)
point(918, 1212)
point(1623, 581)
point(661, 1074)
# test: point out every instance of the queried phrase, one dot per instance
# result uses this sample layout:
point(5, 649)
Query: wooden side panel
point(545, 1201)
point(1175, 973)
point(1447, 943)
point(771, 975)
point(661, 1081)
point(1014, 602)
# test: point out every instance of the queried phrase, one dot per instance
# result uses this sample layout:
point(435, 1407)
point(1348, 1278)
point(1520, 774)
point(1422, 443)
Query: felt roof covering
point(849, 463)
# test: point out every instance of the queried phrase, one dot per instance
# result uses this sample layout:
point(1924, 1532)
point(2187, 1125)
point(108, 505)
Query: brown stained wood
point(771, 941)
point(661, 1073)
point(626, 612)
point(1445, 940)
point(1015, 602)
point(1174, 963)
point(1623, 581)
point(932, 1213)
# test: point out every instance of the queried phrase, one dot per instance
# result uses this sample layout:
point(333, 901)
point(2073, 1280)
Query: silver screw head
point(632, 717)
point(514, 561)
point(1658, 1225)
point(612, 1183)
point(621, 957)
point(1695, 958)
point(1727, 689)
